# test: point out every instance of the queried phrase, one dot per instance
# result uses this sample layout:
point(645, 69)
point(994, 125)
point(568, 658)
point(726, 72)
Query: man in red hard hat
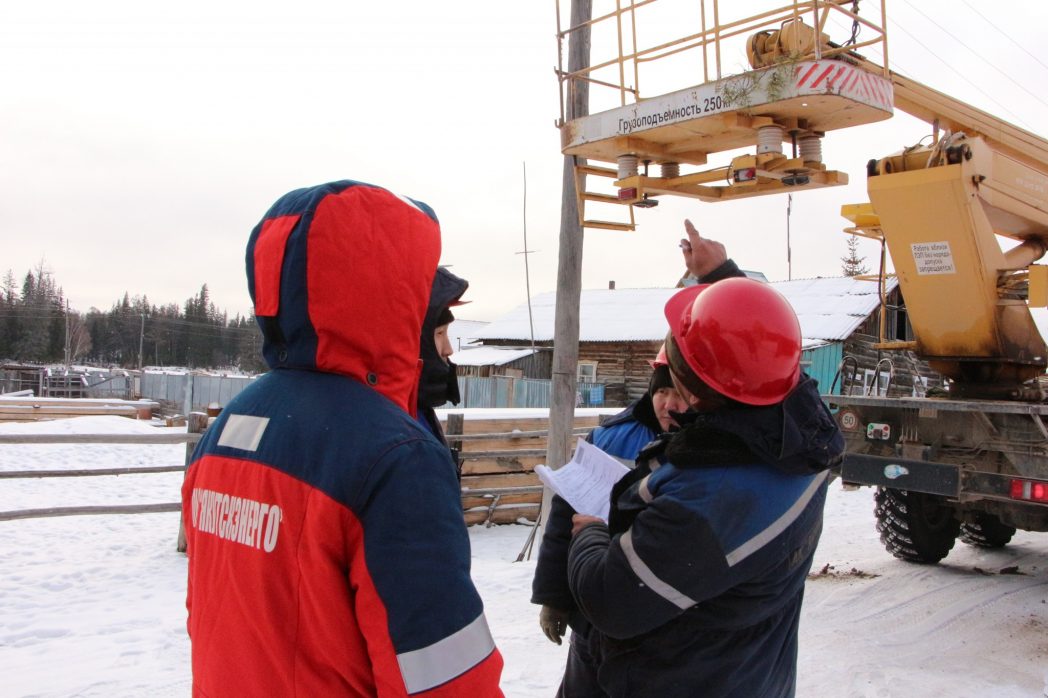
point(695, 584)
point(623, 436)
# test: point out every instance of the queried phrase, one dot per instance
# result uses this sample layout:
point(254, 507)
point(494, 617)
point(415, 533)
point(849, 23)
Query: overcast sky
point(142, 141)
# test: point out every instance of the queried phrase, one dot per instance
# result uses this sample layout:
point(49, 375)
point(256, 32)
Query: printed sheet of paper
point(585, 482)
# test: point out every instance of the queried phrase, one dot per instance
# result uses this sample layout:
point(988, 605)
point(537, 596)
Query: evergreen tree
point(37, 326)
point(36, 316)
point(852, 263)
point(10, 326)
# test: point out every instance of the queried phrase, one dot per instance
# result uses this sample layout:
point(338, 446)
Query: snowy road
point(93, 605)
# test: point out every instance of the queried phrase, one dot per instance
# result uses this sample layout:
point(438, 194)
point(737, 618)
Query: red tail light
point(1029, 491)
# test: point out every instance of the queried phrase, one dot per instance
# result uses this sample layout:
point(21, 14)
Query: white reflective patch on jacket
point(643, 491)
point(779, 525)
point(445, 659)
point(243, 431)
point(644, 574)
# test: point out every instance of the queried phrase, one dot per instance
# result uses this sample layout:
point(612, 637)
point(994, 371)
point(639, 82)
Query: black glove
point(554, 623)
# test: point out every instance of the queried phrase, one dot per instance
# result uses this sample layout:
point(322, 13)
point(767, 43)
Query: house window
point(587, 372)
point(875, 383)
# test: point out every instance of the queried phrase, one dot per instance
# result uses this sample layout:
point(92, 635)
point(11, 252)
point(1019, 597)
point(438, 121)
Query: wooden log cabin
point(621, 329)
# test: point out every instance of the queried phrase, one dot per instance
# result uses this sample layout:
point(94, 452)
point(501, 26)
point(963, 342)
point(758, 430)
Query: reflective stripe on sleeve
point(243, 431)
point(643, 491)
point(779, 525)
point(645, 575)
point(445, 659)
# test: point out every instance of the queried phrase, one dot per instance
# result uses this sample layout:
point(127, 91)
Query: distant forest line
point(37, 326)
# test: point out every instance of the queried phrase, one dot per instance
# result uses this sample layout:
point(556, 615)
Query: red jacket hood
point(340, 276)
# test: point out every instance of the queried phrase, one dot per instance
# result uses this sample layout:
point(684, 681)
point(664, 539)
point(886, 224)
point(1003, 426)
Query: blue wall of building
point(821, 364)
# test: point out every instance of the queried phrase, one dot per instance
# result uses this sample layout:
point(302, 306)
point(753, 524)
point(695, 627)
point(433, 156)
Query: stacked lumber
point(32, 409)
point(499, 484)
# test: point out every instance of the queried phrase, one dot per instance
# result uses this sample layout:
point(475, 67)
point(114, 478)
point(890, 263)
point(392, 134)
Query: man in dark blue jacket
point(695, 585)
point(438, 384)
point(623, 436)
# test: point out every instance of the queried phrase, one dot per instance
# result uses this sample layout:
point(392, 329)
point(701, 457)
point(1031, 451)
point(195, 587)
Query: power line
point(1005, 35)
point(980, 57)
point(961, 75)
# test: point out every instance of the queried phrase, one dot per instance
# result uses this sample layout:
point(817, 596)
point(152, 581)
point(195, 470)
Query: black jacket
point(696, 587)
point(623, 436)
point(438, 384)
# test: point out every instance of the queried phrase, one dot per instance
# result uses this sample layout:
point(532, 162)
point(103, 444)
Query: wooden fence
point(31, 409)
point(499, 484)
point(190, 438)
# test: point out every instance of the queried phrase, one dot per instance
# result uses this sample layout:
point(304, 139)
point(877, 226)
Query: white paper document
point(585, 482)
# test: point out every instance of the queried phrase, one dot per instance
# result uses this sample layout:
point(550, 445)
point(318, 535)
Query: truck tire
point(987, 531)
point(914, 526)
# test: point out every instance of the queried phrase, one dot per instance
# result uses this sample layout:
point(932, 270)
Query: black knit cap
point(660, 378)
point(445, 317)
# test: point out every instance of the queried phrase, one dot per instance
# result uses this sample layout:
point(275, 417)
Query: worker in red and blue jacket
point(328, 555)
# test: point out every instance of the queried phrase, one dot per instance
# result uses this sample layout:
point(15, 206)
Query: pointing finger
point(693, 234)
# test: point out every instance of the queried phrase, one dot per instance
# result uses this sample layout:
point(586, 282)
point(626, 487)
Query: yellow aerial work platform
point(801, 86)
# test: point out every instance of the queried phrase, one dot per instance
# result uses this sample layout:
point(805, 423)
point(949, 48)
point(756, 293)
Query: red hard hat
point(741, 337)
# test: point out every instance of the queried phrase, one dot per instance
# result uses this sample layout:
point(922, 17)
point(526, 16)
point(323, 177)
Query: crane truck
point(972, 462)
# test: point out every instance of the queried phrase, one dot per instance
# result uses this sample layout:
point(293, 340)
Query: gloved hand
point(554, 623)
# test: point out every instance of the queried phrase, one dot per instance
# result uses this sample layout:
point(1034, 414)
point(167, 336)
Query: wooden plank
point(482, 426)
point(159, 438)
point(479, 492)
point(6, 408)
point(472, 447)
point(516, 453)
point(469, 503)
point(508, 515)
point(491, 466)
point(507, 480)
point(92, 510)
point(515, 435)
point(87, 473)
point(76, 402)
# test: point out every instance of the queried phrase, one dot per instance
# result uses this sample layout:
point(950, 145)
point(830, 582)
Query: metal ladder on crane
point(583, 196)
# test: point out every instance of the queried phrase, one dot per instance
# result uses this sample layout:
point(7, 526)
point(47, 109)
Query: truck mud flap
point(901, 474)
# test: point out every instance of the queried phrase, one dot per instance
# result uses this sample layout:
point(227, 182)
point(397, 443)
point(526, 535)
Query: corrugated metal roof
point(461, 331)
point(489, 356)
point(829, 310)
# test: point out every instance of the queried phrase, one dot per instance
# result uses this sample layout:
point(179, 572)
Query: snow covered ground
point(93, 605)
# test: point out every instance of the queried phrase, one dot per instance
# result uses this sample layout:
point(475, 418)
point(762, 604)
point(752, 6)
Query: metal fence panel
point(494, 391)
point(502, 391)
point(109, 386)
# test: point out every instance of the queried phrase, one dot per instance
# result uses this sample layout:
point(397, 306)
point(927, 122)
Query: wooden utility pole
point(569, 264)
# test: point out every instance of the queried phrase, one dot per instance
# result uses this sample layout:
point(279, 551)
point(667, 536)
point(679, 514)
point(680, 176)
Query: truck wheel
point(914, 526)
point(987, 531)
